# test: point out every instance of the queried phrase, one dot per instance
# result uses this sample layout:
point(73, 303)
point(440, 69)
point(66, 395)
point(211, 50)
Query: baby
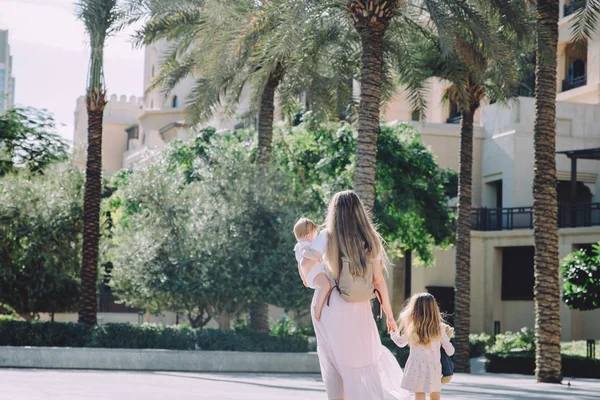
point(306, 231)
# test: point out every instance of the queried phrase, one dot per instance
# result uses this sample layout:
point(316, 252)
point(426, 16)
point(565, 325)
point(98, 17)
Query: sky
point(51, 56)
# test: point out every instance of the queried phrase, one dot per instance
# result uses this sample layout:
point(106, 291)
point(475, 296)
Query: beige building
point(7, 81)
point(502, 235)
point(502, 238)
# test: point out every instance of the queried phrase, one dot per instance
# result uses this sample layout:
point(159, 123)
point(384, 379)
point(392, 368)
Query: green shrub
point(129, 336)
point(524, 363)
point(511, 363)
point(47, 334)
point(146, 336)
point(524, 340)
point(479, 343)
point(577, 348)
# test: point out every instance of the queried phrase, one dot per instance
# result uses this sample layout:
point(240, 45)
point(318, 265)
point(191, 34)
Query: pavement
point(37, 384)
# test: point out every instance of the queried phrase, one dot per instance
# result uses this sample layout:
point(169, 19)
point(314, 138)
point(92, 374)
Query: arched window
point(576, 69)
point(151, 104)
point(175, 103)
point(415, 115)
point(153, 71)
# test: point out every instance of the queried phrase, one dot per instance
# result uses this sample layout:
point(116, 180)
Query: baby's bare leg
point(434, 396)
point(322, 287)
point(420, 396)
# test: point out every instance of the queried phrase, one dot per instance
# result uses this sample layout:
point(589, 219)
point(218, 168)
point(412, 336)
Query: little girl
point(306, 231)
point(421, 325)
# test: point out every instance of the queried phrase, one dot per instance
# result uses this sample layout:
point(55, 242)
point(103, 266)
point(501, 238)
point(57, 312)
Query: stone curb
point(157, 360)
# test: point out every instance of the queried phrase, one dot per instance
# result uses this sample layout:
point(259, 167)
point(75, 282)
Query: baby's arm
point(399, 339)
point(322, 286)
point(446, 343)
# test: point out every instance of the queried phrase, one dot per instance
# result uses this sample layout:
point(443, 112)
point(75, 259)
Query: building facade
point(502, 234)
point(7, 81)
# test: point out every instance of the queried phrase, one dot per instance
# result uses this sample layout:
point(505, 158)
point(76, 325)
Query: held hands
point(391, 324)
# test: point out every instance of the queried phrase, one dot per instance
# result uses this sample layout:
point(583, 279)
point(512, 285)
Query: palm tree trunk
point(462, 296)
point(259, 316)
point(259, 310)
point(545, 207)
point(266, 115)
point(96, 100)
point(368, 114)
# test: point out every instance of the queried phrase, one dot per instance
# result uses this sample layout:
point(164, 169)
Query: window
point(454, 117)
point(175, 103)
point(415, 115)
point(517, 273)
point(576, 69)
point(153, 71)
point(151, 104)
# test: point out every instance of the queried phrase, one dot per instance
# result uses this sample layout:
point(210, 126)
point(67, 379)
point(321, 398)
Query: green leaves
point(412, 192)
point(581, 274)
point(28, 140)
point(586, 18)
point(209, 232)
point(40, 226)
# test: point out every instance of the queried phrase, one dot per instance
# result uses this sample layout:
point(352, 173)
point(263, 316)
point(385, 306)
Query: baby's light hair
point(304, 227)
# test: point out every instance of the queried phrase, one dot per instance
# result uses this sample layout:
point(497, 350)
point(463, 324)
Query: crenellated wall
point(119, 113)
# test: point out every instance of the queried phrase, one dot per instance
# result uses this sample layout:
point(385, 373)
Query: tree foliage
point(412, 191)
point(581, 274)
point(28, 139)
point(196, 231)
point(40, 226)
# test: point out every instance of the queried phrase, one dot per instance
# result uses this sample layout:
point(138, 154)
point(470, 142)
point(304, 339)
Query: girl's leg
point(420, 396)
point(434, 396)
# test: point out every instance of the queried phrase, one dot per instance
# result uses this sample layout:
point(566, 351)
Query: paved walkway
point(32, 384)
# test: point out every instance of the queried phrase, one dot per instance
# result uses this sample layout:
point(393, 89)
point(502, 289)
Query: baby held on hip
point(316, 278)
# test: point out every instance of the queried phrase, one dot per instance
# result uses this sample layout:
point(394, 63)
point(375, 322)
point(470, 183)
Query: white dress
point(423, 369)
point(354, 363)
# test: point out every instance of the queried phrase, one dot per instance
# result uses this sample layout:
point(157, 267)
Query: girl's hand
point(391, 325)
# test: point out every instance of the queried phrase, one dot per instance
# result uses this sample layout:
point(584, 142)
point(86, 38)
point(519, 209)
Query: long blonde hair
point(421, 319)
point(351, 234)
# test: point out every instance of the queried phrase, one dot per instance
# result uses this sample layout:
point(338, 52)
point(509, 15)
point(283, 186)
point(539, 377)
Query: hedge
point(129, 336)
point(524, 363)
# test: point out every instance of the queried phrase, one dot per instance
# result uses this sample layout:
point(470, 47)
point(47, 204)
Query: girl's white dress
point(423, 370)
point(354, 363)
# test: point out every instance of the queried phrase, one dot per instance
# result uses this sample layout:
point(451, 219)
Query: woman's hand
point(391, 324)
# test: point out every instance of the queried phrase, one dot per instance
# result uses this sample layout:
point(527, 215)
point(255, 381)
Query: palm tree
point(100, 19)
point(545, 207)
point(374, 20)
point(478, 68)
point(230, 47)
point(371, 19)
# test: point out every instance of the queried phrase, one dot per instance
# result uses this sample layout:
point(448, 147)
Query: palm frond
point(586, 19)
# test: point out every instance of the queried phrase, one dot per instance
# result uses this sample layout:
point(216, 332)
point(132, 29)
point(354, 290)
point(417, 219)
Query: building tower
point(7, 81)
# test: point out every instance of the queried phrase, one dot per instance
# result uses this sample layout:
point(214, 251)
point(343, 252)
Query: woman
point(354, 364)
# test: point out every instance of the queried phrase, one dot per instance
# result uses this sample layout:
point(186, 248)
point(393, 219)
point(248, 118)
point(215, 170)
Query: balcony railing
point(454, 119)
point(508, 219)
point(569, 84)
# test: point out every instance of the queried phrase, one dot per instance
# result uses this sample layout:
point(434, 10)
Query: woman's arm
point(381, 286)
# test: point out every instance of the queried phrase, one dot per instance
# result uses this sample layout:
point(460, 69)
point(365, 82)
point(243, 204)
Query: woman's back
point(347, 335)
